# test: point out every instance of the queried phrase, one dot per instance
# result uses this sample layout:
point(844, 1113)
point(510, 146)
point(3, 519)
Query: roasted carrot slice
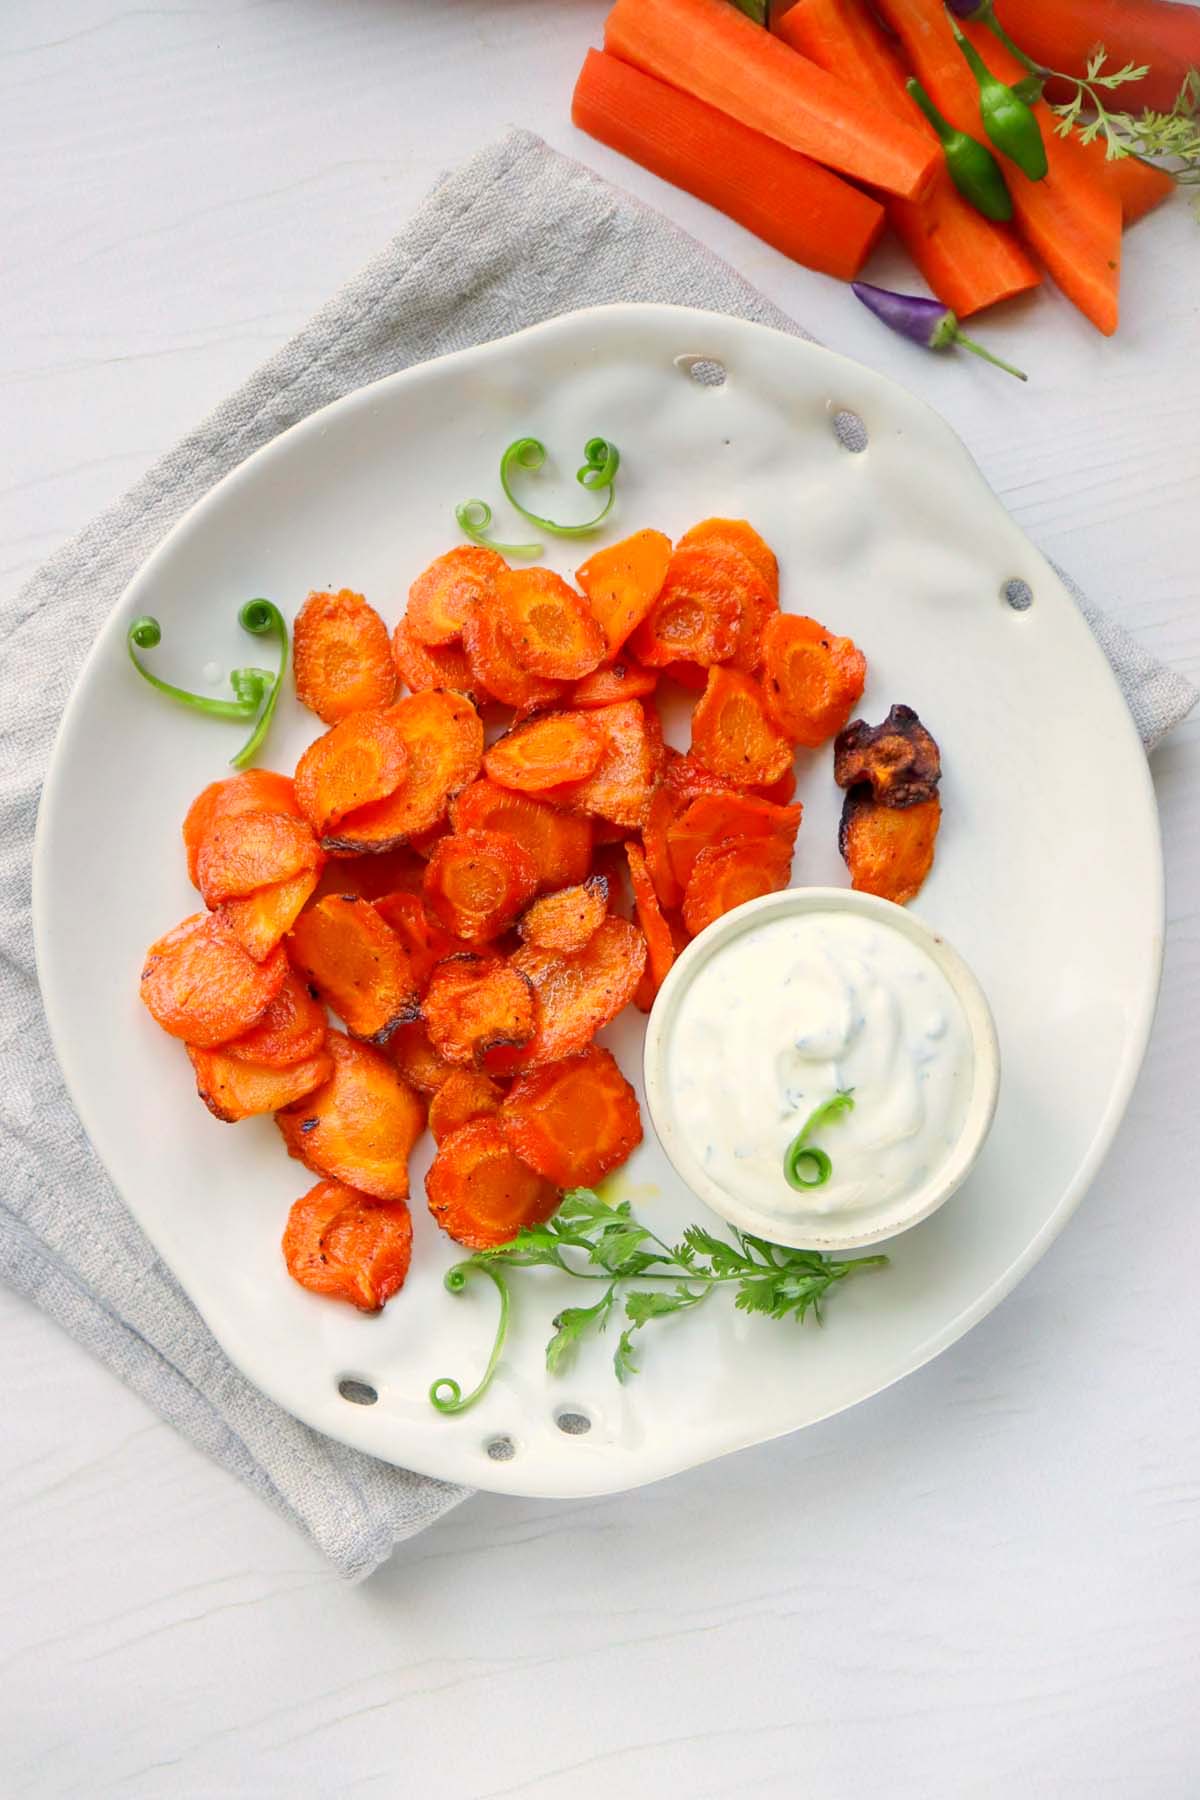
point(463, 1096)
point(619, 789)
point(567, 919)
point(341, 657)
point(358, 966)
point(263, 919)
point(711, 818)
point(663, 810)
point(424, 666)
point(623, 582)
point(361, 759)
point(577, 994)
point(347, 1245)
point(780, 792)
point(561, 846)
point(255, 790)
point(480, 1192)
point(252, 850)
point(687, 675)
point(660, 945)
point(712, 560)
point(573, 1121)
point(393, 871)
point(233, 1088)
point(552, 629)
point(425, 939)
point(443, 735)
point(618, 681)
point(739, 535)
point(729, 874)
point(200, 985)
point(477, 1006)
point(361, 1126)
point(292, 1028)
point(417, 1060)
point(888, 849)
point(440, 599)
point(685, 777)
point(698, 612)
point(812, 680)
point(898, 760)
point(477, 882)
point(551, 749)
point(496, 668)
point(733, 734)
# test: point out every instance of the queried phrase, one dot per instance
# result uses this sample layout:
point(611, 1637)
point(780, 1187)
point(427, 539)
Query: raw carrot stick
point(793, 204)
point(1071, 220)
point(969, 262)
point(1063, 33)
point(715, 53)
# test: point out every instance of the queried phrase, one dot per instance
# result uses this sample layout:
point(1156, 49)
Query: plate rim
point(1139, 1026)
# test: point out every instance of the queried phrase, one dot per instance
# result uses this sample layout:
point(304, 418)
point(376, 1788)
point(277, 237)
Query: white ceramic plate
point(1048, 875)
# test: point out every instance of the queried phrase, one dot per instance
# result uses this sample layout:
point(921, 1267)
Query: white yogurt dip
point(784, 1015)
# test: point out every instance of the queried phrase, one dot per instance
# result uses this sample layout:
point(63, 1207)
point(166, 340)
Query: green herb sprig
point(1172, 138)
point(590, 1240)
point(255, 691)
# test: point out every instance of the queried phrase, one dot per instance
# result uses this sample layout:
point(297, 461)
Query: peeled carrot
point(715, 53)
point(1062, 34)
point(1071, 219)
point(968, 261)
point(791, 203)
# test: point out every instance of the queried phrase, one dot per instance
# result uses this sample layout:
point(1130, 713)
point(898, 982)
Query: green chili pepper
point(1009, 121)
point(973, 169)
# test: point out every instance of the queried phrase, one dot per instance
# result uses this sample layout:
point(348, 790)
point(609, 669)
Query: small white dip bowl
point(868, 1224)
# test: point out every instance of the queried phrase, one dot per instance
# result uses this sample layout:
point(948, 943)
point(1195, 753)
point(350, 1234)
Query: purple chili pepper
point(925, 322)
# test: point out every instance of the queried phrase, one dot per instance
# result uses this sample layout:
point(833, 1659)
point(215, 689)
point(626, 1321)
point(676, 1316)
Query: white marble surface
point(981, 1583)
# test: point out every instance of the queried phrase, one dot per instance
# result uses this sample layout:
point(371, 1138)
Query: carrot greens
point(255, 691)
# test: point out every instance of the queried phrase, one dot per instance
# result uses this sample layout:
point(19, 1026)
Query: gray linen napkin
point(516, 235)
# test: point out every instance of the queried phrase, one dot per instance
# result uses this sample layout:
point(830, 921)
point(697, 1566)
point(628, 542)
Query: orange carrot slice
point(660, 945)
point(619, 681)
point(255, 790)
point(358, 965)
point(341, 657)
point(233, 1088)
point(574, 1121)
point(344, 1244)
point(553, 748)
point(577, 994)
point(477, 1006)
point(619, 789)
point(443, 735)
point(440, 599)
point(496, 667)
point(292, 1028)
point(477, 882)
point(733, 735)
point(561, 846)
point(697, 615)
point(480, 1192)
point(623, 582)
point(359, 1127)
point(263, 919)
point(731, 873)
point(360, 759)
point(888, 849)
point(568, 919)
point(424, 666)
point(551, 628)
point(463, 1096)
point(200, 985)
point(812, 680)
point(253, 850)
point(711, 818)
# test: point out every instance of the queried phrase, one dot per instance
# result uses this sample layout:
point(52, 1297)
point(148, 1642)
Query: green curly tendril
point(599, 472)
point(256, 691)
point(475, 521)
point(445, 1394)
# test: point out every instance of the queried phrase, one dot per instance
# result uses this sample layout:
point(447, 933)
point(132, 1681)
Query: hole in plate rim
point(500, 1447)
point(849, 428)
point(1017, 593)
point(572, 1422)
point(706, 371)
point(357, 1390)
